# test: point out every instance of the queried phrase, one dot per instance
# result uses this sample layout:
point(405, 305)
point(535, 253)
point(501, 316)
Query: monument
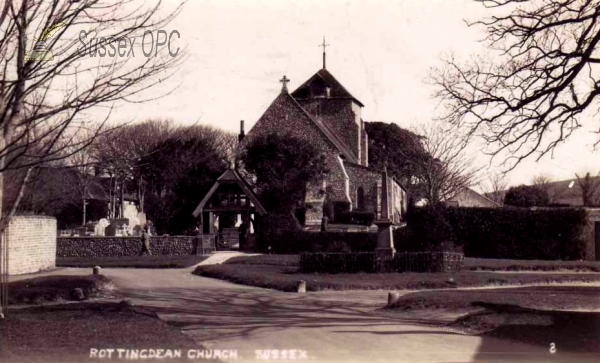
point(385, 238)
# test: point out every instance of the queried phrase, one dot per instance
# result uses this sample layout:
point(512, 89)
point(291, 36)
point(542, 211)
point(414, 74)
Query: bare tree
point(543, 74)
point(497, 186)
point(119, 152)
point(590, 189)
point(446, 168)
point(48, 88)
point(83, 166)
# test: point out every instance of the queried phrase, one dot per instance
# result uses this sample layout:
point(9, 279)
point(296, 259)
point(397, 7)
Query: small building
point(467, 197)
point(229, 210)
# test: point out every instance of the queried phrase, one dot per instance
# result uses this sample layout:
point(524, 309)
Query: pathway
point(329, 326)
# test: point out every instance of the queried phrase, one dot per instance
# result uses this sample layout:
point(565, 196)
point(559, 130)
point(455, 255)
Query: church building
point(324, 113)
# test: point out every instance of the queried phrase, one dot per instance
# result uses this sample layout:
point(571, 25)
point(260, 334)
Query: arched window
point(360, 198)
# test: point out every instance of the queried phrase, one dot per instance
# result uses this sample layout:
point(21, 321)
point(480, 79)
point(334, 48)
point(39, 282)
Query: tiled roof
point(337, 90)
point(230, 176)
point(329, 134)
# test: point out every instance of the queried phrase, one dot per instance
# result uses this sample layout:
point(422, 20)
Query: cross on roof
point(285, 81)
point(324, 45)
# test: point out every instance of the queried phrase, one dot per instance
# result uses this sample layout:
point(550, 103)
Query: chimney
point(242, 134)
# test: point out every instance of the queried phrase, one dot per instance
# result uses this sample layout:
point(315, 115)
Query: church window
point(360, 198)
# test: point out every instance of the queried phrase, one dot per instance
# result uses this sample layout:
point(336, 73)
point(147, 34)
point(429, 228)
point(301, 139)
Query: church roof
point(337, 90)
point(330, 134)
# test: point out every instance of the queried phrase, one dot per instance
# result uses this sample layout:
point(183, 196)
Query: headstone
point(96, 270)
point(110, 231)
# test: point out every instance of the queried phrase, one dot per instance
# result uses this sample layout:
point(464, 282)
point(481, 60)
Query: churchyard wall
point(31, 244)
point(124, 246)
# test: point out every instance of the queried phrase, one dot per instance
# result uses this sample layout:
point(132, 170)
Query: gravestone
point(110, 230)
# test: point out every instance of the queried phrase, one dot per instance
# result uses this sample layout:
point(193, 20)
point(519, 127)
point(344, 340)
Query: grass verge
point(55, 288)
point(487, 264)
point(566, 316)
point(538, 297)
point(474, 264)
point(66, 333)
point(285, 278)
point(174, 261)
point(566, 331)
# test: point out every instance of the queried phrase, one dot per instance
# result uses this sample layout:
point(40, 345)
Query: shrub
point(339, 207)
point(367, 262)
point(429, 230)
point(507, 233)
point(356, 217)
point(291, 242)
point(428, 262)
point(338, 262)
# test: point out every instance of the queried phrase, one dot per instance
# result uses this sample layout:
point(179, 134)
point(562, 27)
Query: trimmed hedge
point(428, 262)
point(504, 233)
point(367, 262)
point(293, 242)
point(338, 262)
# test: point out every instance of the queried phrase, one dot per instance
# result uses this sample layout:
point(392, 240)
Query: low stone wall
point(31, 244)
point(125, 246)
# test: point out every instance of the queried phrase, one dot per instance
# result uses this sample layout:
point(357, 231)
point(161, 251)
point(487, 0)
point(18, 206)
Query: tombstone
point(99, 230)
point(101, 226)
point(110, 230)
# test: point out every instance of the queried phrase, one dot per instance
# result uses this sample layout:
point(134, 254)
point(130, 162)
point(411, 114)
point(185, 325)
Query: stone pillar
point(385, 238)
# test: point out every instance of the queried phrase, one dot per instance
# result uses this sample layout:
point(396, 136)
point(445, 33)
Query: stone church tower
point(322, 112)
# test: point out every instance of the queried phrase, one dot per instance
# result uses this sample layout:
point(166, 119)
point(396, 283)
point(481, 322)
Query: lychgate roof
point(230, 176)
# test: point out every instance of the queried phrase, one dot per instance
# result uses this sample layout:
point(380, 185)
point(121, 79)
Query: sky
point(381, 51)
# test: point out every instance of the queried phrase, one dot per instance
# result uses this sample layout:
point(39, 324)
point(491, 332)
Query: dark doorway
point(597, 239)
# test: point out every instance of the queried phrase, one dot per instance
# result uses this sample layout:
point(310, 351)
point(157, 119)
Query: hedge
point(355, 217)
point(354, 262)
point(506, 233)
point(292, 242)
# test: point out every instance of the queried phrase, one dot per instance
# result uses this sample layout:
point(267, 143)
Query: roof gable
point(230, 176)
point(283, 108)
point(336, 88)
